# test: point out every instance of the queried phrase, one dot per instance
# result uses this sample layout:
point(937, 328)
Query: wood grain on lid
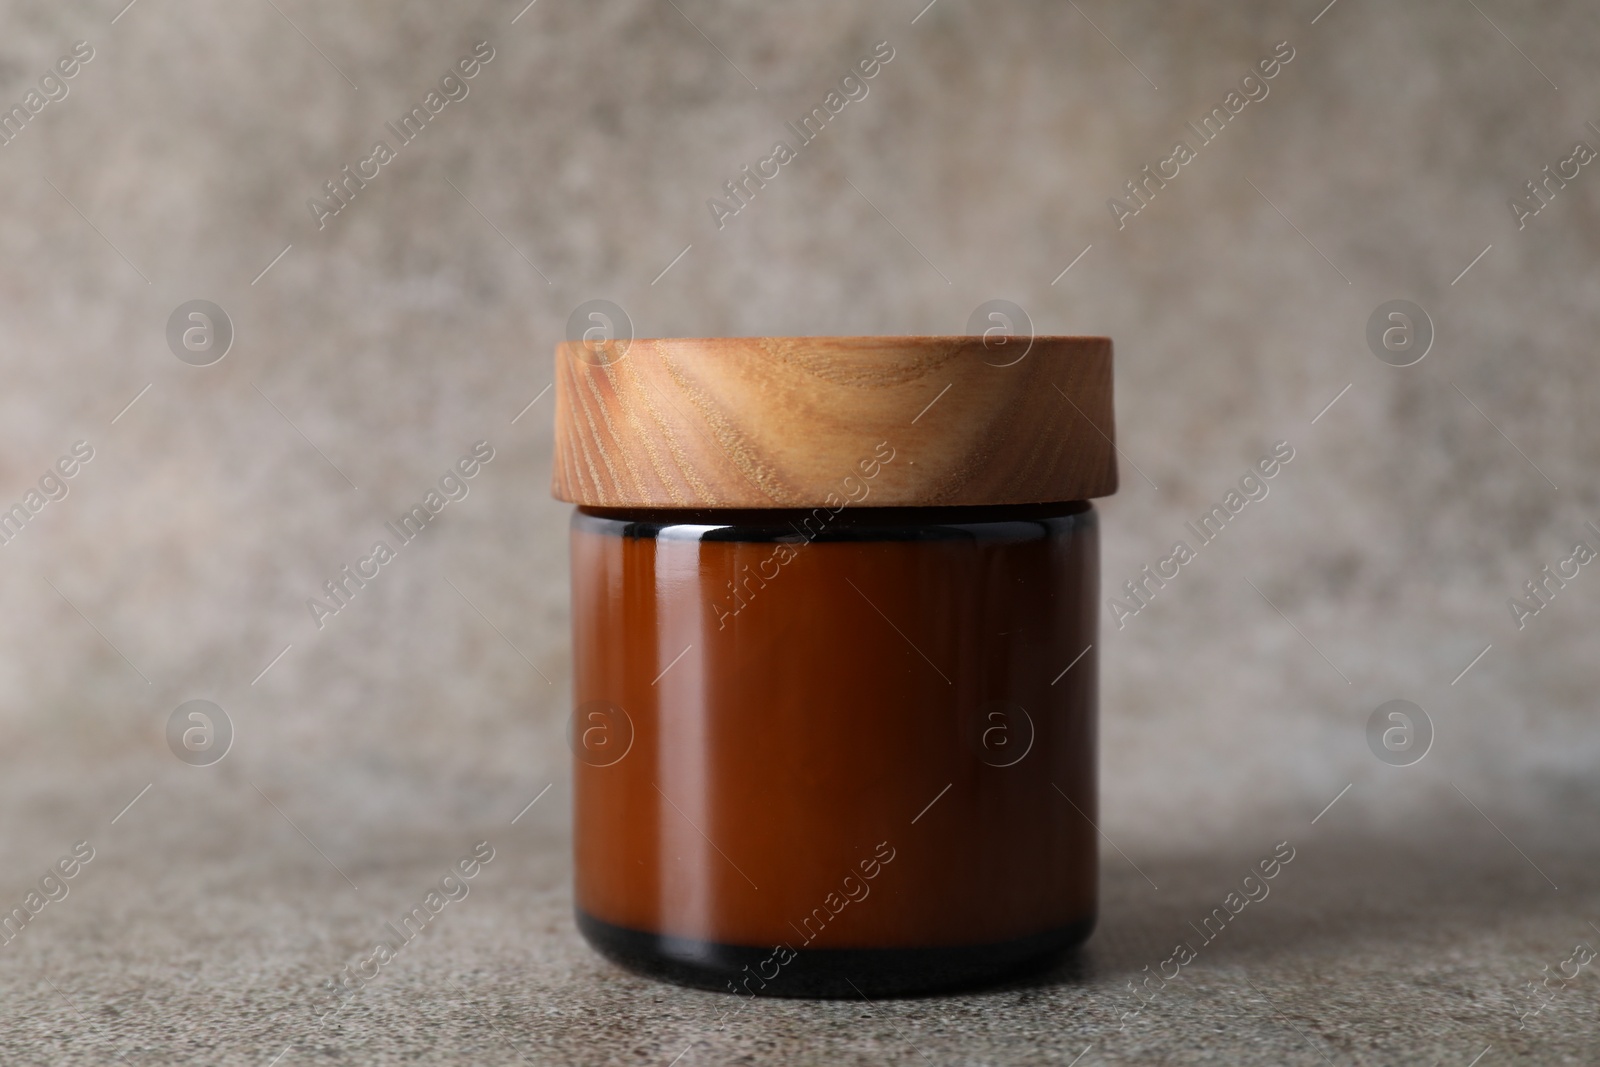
point(779, 422)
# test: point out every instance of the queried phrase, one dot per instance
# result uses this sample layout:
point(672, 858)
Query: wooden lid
point(783, 422)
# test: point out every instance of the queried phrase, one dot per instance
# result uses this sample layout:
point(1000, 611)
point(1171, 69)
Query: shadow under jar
point(834, 677)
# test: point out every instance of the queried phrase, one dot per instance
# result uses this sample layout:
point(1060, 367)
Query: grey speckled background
point(1419, 906)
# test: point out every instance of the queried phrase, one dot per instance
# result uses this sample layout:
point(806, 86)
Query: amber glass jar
point(834, 725)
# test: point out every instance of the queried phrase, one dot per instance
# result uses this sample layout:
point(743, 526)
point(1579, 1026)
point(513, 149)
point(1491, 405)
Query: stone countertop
point(206, 926)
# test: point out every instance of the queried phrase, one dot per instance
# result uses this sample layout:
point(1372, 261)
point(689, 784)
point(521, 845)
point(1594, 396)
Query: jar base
point(829, 972)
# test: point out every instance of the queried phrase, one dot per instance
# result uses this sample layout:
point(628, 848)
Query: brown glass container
point(834, 720)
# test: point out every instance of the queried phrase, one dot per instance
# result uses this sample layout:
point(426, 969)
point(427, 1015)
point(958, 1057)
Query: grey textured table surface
point(205, 930)
point(369, 353)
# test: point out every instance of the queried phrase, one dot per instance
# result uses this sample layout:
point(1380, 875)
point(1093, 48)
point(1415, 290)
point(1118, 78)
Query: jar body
point(828, 752)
